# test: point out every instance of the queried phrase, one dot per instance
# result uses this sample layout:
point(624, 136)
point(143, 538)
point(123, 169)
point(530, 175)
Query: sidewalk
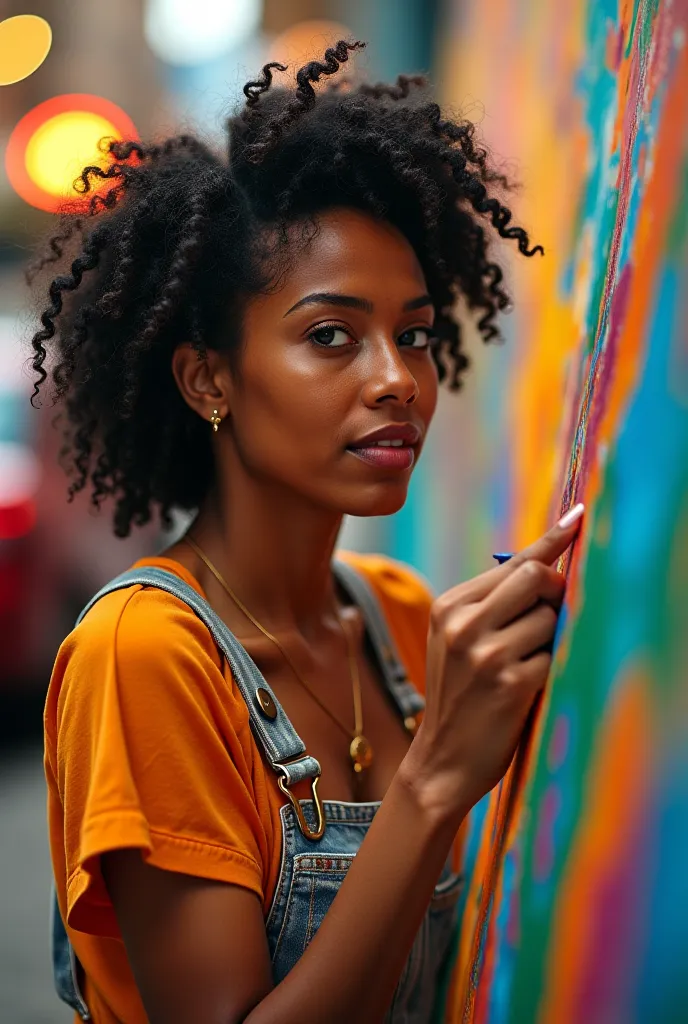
point(26, 992)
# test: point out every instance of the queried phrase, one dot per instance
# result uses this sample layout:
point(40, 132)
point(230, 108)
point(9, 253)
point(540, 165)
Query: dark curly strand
point(169, 249)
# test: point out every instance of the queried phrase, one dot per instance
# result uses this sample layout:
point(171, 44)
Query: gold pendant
point(361, 753)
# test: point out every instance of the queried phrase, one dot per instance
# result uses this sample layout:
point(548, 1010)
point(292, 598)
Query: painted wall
point(576, 904)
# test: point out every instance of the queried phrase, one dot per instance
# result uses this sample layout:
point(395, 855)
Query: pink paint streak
point(544, 838)
point(559, 743)
point(604, 993)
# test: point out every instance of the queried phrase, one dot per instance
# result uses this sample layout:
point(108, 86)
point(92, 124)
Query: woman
point(259, 339)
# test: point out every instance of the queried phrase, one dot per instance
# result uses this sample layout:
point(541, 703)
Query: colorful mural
point(576, 905)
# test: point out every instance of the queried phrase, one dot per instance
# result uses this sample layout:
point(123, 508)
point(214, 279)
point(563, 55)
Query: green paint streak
point(631, 34)
point(647, 10)
point(678, 226)
point(576, 682)
point(647, 26)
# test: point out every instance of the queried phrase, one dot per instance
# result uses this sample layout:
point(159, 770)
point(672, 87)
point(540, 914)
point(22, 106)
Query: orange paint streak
point(470, 922)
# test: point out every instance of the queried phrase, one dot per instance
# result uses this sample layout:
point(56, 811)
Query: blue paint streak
point(660, 990)
point(649, 477)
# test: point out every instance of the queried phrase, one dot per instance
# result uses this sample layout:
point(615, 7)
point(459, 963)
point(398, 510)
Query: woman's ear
point(204, 381)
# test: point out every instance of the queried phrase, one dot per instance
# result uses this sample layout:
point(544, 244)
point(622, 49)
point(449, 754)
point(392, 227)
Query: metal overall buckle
point(306, 830)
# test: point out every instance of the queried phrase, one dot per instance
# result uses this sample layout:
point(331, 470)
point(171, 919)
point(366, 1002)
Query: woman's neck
point(274, 550)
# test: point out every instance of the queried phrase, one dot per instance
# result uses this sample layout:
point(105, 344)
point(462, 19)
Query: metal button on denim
point(266, 703)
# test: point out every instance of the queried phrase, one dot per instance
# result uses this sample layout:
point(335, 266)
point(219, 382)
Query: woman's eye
point(416, 337)
point(330, 337)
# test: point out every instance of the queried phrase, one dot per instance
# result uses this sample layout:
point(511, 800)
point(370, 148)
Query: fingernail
point(571, 516)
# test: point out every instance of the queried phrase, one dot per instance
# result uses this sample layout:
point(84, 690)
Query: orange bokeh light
point(25, 42)
point(52, 144)
point(306, 41)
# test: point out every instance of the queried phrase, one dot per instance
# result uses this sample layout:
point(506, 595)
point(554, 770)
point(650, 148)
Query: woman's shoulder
point(142, 626)
point(139, 611)
point(392, 580)
point(141, 653)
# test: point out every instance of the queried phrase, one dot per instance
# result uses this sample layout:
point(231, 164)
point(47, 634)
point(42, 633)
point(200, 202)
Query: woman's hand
point(488, 658)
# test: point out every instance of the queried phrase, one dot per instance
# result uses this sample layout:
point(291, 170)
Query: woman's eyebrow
point(352, 302)
point(419, 303)
point(332, 299)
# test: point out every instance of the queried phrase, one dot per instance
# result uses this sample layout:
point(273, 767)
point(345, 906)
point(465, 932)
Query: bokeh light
point(196, 31)
point(52, 144)
point(25, 42)
point(307, 40)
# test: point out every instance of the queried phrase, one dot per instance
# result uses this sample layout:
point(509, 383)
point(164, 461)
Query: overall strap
point(273, 730)
point(403, 692)
point(283, 746)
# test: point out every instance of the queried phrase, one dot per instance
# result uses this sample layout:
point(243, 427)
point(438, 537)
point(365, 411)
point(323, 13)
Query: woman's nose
point(388, 378)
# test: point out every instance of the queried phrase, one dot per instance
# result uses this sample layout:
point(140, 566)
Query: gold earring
point(215, 420)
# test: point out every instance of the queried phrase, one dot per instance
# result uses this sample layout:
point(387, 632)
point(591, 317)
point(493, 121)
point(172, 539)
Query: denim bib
point(319, 839)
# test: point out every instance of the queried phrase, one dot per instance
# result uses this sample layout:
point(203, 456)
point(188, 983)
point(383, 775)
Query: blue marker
point(503, 556)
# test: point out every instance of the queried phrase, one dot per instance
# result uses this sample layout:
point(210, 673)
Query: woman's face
point(339, 352)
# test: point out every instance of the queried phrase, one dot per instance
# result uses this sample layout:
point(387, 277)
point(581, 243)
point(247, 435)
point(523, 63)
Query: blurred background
point(155, 67)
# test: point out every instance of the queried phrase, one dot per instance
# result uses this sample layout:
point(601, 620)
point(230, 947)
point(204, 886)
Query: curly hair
point(177, 240)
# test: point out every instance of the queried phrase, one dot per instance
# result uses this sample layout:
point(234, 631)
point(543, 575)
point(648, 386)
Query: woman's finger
point(553, 544)
point(529, 584)
point(528, 634)
point(547, 550)
point(529, 675)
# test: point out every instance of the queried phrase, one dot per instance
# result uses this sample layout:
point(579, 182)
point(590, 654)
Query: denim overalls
point(319, 839)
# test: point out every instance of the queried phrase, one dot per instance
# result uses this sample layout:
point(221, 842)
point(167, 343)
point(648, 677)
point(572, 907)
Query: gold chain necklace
point(360, 750)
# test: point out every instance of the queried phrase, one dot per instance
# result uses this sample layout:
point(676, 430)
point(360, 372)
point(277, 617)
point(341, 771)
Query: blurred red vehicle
point(19, 485)
point(53, 554)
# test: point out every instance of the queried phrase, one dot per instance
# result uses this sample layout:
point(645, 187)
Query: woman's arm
point(199, 951)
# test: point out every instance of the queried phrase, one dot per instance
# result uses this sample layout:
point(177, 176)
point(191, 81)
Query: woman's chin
point(367, 506)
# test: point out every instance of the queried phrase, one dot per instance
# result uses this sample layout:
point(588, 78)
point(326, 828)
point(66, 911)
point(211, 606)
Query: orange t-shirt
point(148, 745)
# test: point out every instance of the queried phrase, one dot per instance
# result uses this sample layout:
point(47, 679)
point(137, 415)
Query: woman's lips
point(386, 457)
